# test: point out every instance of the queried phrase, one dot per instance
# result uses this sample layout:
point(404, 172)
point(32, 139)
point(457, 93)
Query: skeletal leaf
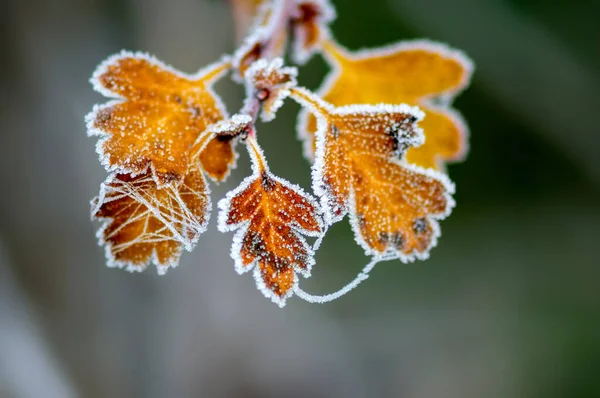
point(270, 215)
point(158, 115)
point(144, 223)
point(420, 73)
point(360, 169)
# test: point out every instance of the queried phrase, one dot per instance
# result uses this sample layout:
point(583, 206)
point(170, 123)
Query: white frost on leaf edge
point(162, 268)
point(280, 91)
point(235, 123)
point(259, 33)
point(433, 220)
point(405, 45)
point(320, 187)
point(300, 55)
point(224, 206)
point(113, 60)
point(463, 131)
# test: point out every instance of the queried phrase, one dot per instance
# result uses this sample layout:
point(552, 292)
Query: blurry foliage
point(507, 305)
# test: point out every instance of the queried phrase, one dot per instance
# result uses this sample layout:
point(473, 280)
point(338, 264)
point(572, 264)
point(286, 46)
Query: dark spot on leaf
point(334, 131)
point(410, 119)
point(392, 238)
point(267, 182)
point(104, 115)
point(196, 111)
point(420, 225)
point(360, 218)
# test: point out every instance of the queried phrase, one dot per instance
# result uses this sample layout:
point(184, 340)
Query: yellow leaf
point(420, 73)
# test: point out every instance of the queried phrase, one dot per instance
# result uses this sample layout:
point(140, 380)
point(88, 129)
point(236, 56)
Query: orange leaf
point(158, 116)
point(419, 73)
point(360, 169)
point(144, 223)
point(270, 215)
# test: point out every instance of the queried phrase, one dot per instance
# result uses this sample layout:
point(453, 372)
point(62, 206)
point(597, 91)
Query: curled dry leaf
point(310, 25)
point(270, 215)
point(268, 38)
point(360, 169)
point(308, 19)
point(145, 223)
point(419, 73)
point(157, 117)
point(270, 83)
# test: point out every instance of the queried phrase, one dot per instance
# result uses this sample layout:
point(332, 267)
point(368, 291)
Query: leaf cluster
point(378, 133)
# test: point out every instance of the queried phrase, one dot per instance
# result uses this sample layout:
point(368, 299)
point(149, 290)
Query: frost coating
point(310, 26)
point(233, 126)
point(156, 116)
point(144, 224)
point(270, 82)
point(164, 131)
point(360, 170)
point(268, 36)
point(269, 216)
point(421, 57)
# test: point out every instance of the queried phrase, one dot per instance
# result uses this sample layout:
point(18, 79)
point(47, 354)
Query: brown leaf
point(311, 26)
point(145, 223)
point(270, 215)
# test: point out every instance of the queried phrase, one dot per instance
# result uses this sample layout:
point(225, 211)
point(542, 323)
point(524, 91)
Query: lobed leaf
point(360, 169)
point(145, 223)
point(270, 215)
point(420, 73)
point(157, 117)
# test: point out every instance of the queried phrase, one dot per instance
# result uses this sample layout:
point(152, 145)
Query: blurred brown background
point(508, 305)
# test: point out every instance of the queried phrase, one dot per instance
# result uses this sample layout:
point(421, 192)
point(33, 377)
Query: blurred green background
point(508, 305)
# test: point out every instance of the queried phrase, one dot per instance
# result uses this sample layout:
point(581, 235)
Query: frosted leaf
point(158, 114)
point(310, 25)
point(267, 40)
point(144, 223)
point(360, 170)
point(244, 13)
point(420, 72)
point(270, 215)
point(270, 83)
point(234, 126)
